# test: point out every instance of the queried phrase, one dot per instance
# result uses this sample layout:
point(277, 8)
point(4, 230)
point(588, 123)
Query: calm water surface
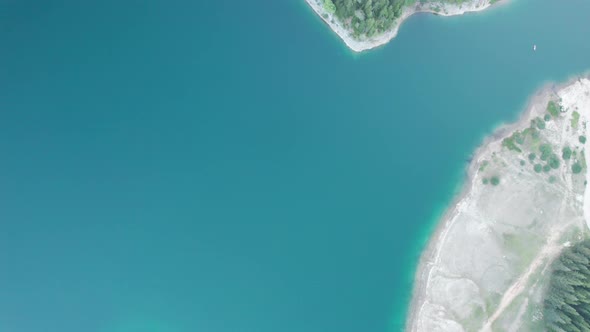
point(180, 166)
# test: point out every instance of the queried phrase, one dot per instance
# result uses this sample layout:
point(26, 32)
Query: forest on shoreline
point(366, 18)
point(567, 300)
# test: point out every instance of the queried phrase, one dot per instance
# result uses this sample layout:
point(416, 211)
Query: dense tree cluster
point(368, 17)
point(371, 17)
point(567, 301)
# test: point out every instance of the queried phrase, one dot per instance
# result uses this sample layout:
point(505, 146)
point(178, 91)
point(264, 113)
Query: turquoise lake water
point(180, 166)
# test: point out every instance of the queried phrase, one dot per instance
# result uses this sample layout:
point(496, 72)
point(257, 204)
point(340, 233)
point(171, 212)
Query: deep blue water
point(180, 166)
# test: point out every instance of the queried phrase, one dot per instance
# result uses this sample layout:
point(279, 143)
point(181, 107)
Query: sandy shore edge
point(441, 9)
point(432, 249)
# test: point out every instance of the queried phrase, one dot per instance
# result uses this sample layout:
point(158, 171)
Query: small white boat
point(535, 47)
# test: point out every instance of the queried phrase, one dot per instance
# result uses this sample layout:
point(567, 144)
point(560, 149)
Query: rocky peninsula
point(363, 42)
point(524, 200)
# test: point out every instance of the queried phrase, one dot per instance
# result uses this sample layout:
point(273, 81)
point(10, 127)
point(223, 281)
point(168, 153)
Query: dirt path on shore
point(549, 252)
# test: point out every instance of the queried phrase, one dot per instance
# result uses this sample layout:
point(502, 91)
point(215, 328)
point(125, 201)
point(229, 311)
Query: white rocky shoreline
point(440, 268)
point(487, 264)
point(438, 8)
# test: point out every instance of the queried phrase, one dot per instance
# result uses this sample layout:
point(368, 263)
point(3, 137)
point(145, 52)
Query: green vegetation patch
point(473, 322)
point(532, 156)
point(483, 166)
point(524, 247)
point(566, 153)
point(566, 306)
point(575, 119)
point(580, 164)
point(538, 168)
point(532, 132)
point(495, 180)
point(368, 17)
point(553, 109)
point(519, 137)
point(329, 6)
point(511, 142)
point(576, 168)
point(547, 117)
point(553, 161)
point(582, 139)
point(546, 151)
point(538, 123)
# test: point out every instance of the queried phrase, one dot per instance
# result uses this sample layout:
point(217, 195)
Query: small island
point(366, 24)
point(511, 254)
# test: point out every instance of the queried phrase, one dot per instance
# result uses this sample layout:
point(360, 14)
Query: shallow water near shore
point(179, 167)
